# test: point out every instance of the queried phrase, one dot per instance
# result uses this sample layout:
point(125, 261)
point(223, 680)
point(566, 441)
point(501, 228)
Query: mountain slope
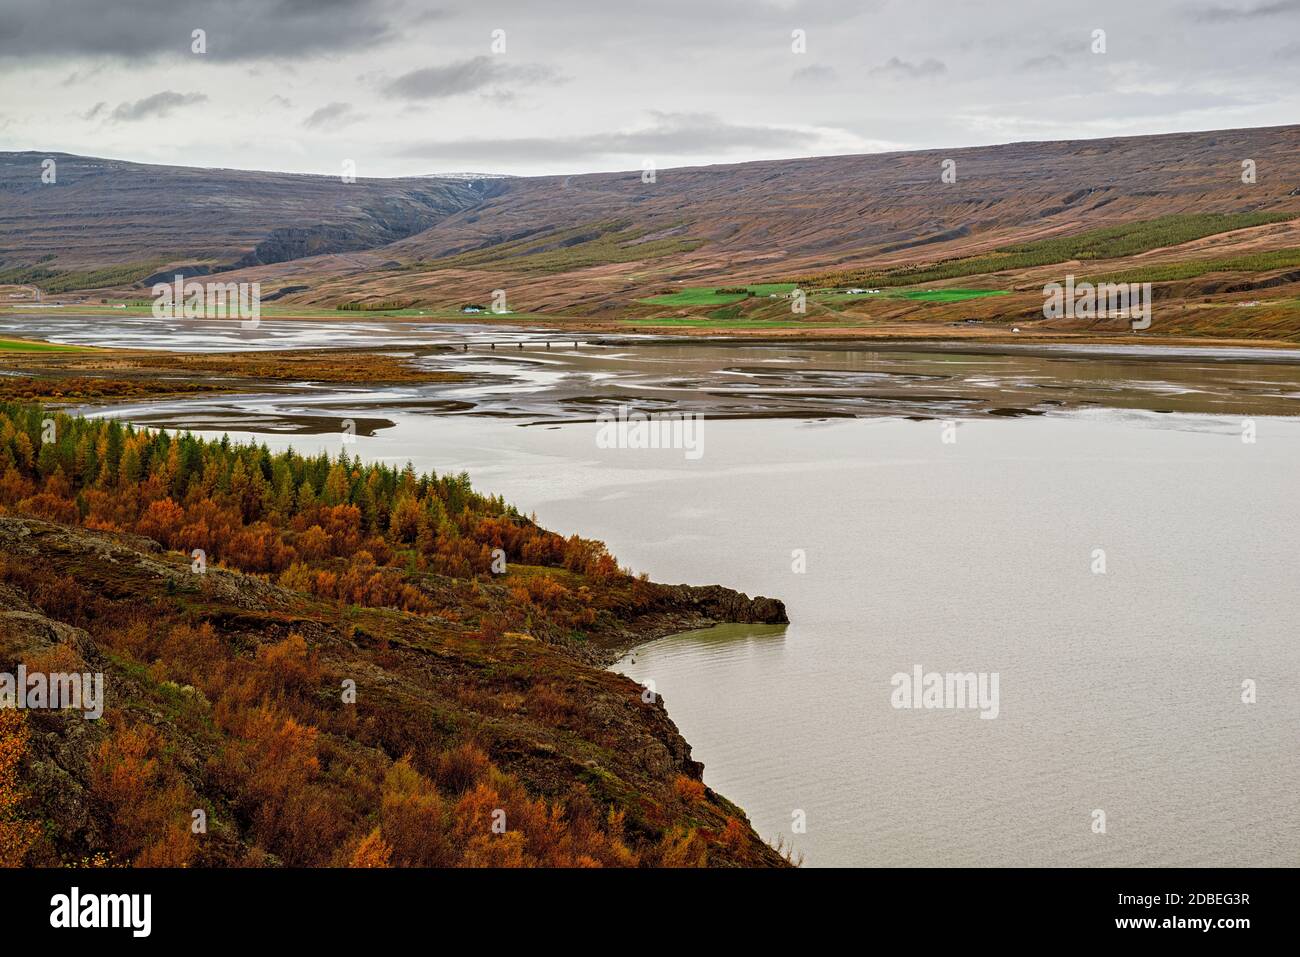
point(596, 246)
point(99, 213)
point(557, 242)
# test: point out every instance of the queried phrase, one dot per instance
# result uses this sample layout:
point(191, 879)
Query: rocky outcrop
point(678, 608)
point(727, 605)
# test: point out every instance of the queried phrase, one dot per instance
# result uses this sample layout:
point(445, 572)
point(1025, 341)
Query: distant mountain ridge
point(594, 244)
point(100, 212)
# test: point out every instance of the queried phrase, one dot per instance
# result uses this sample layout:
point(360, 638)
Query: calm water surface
point(1119, 692)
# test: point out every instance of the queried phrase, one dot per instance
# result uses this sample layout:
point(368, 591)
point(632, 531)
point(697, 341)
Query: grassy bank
point(25, 345)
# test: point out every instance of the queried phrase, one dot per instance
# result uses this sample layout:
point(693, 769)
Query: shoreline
point(620, 330)
point(705, 606)
point(1035, 345)
point(723, 379)
point(448, 662)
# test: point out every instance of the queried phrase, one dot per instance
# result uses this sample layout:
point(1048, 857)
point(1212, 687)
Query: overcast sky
point(410, 87)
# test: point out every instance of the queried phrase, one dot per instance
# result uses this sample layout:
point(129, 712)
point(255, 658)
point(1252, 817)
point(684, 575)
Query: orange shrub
point(688, 789)
point(17, 835)
point(461, 768)
point(146, 798)
point(373, 851)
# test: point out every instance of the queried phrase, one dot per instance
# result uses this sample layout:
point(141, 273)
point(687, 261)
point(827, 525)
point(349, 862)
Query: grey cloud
point(814, 74)
point(160, 104)
point(1220, 14)
point(96, 111)
point(331, 115)
point(502, 97)
point(700, 22)
point(894, 67)
point(290, 30)
point(81, 76)
point(465, 76)
point(1049, 61)
point(671, 135)
point(732, 58)
point(1108, 108)
point(236, 29)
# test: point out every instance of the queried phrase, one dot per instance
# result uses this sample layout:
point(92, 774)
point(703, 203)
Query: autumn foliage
point(333, 528)
point(17, 834)
point(282, 771)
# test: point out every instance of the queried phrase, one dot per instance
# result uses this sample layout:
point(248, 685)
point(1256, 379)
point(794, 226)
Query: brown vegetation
point(476, 735)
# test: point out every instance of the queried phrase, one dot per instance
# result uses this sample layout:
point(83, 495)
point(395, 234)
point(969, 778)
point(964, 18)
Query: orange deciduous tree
point(162, 521)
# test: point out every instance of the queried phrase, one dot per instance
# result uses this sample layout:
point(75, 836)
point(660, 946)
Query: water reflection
point(534, 376)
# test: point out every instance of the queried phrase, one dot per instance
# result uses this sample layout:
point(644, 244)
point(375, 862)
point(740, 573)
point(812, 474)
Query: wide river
point(1129, 574)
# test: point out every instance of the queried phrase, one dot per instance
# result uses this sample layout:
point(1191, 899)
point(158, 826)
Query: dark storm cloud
point(465, 76)
point(671, 134)
point(236, 29)
point(160, 104)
